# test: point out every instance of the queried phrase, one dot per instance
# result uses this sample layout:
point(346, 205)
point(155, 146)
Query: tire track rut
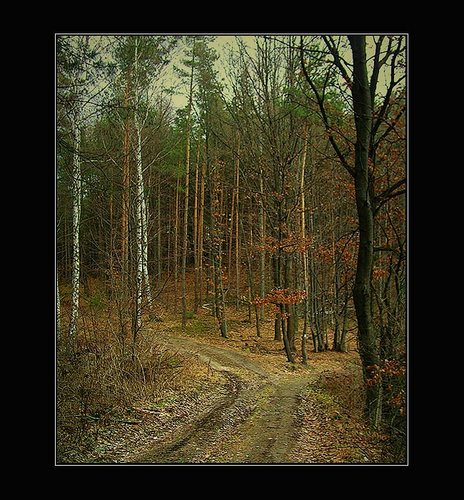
point(254, 420)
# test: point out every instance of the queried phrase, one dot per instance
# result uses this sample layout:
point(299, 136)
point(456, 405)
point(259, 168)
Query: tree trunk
point(237, 238)
point(231, 236)
point(123, 297)
point(139, 242)
point(176, 246)
point(277, 321)
point(217, 227)
point(343, 346)
point(144, 209)
point(195, 232)
point(58, 309)
point(304, 254)
point(159, 259)
point(186, 195)
point(287, 346)
point(251, 294)
point(262, 235)
point(140, 219)
point(364, 205)
point(76, 223)
point(289, 308)
point(200, 230)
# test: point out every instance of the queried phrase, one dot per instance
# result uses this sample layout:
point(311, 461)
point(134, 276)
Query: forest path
point(254, 420)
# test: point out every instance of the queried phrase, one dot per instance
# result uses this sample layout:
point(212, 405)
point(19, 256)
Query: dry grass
point(99, 383)
point(100, 388)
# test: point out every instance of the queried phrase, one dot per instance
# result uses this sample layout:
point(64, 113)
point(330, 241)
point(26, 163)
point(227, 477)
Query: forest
point(231, 249)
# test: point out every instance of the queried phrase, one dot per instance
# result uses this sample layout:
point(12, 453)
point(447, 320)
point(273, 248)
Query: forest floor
point(244, 403)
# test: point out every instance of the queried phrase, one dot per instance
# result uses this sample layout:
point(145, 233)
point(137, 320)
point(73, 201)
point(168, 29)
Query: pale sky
point(224, 42)
point(221, 44)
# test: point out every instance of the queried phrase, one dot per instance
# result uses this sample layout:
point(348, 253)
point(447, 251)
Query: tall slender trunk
point(186, 194)
point(231, 235)
point(169, 241)
point(176, 245)
point(146, 277)
point(58, 309)
point(125, 198)
point(195, 231)
point(139, 217)
point(237, 238)
point(364, 205)
point(251, 294)
point(343, 346)
point(66, 246)
point(201, 229)
point(262, 252)
point(304, 254)
point(277, 320)
point(159, 231)
point(111, 241)
point(76, 223)
point(335, 283)
point(217, 237)
point(140, 220)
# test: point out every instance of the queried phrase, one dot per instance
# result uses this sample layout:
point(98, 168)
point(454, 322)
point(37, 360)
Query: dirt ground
point(252, 407)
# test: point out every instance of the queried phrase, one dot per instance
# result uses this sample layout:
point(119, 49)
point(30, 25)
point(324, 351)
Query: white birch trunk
point(76, 219)
point(146, 278)
point(139, 217)
point(139, 212)
point(76, 203)
point(143, 288)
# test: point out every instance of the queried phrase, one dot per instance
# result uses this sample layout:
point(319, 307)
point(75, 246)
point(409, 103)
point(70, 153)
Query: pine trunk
point(159, 257)
point(262, 253)
point(237, 238)
point(176, 246)
point(201, 230)
point(186, 197)
point(195, 232)
point(125, 200)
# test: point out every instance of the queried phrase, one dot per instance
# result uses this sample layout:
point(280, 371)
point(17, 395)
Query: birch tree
point(76, 222)
point(78, 91)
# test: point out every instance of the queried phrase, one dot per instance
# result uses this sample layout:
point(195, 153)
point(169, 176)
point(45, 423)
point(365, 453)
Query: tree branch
point(388, 194)
point(320, 103)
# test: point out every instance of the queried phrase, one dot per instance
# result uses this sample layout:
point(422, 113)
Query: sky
point(221, 44)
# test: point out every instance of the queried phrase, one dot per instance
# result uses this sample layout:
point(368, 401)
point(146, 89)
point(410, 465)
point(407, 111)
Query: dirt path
point(254, 421)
